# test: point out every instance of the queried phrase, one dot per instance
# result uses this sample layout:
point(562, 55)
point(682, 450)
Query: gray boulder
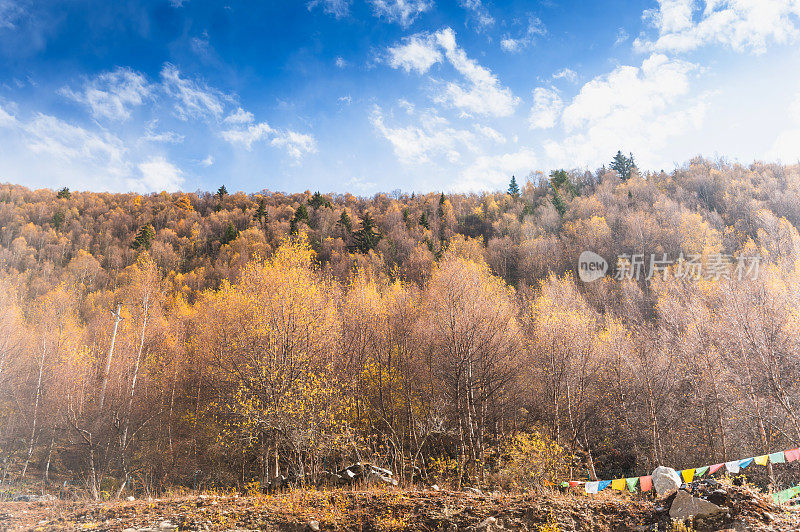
point(684, 506)
point(666, 480)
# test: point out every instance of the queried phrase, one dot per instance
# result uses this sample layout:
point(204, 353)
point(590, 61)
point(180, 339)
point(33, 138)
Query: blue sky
point(365, 96)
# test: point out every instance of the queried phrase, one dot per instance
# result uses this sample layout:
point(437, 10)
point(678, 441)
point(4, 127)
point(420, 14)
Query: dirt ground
point(375, 509)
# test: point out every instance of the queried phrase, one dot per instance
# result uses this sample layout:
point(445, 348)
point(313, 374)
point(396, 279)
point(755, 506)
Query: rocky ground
point(391, 509)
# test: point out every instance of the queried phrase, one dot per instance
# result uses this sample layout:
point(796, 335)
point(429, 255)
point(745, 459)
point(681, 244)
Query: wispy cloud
point(481, 93)
point(112, 94)
point(520, 42)
point(192, 99)
point(743, 25)
point(337, 8)
point(403, 12)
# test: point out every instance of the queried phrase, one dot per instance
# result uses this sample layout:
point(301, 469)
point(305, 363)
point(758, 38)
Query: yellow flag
point(688, 475)
point(618, 484)
point(761, 460)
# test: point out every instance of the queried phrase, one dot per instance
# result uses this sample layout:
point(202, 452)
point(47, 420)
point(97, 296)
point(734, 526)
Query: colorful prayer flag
point(732, 467)
point(592, 487)
point(688, 475)
point(631, 482)
point(777, 458)
point(700, 471)
point(603, 485)
point(645, 483)
point(574, 483)
point(714, 468)
point(745, 462)
point(618, 484)
point(761, 460)
point(786, 495)
point(792, 455)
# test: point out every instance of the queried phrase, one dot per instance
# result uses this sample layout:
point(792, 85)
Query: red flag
point(792, 455)
point(714, 468)
point(646, 483)
point(574, 483)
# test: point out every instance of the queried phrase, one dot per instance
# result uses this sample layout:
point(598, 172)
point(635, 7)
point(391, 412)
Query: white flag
point(732, 467)
point(591, 487)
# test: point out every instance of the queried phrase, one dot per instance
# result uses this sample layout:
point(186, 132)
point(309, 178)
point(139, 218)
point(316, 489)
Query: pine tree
point(58, 220)
point(344, 221)
point(513, 188)
point(144, 237)
point(318, 200)
point(367, 237)
point(624, 166)
point(64, 193)
point(261, 213)
point(222, 192)
point(440, 210)
point(558, 203)
point(300, 215)
point(423, 220)
point(230, 234)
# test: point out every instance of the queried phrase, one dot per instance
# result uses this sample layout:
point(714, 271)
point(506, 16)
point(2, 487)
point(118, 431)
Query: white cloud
point(10, 12)
point(739, 24)
point(478, 12)
point(337, 8)
point(622, 36)
point(169, 137)
point(295, 144)
point(208, 161)
point(483, 93)
point(632, 108)
point(490, 133)
point(786, 147)
point(346, 99)
point(359, 184)
point(240, 116)
point(430, 136)
point(547, 106)
point(112, 94)
point(517, 44)
point(157, 174)
point(192, 99)
point(340, 62)
point(48, 135)
point(248, 136)
point(403, 12)
point(47, 148)
point(417, 52)
point(494, 171)
point(567, 74)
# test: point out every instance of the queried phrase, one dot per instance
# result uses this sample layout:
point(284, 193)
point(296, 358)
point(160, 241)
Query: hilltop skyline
point(373, 95)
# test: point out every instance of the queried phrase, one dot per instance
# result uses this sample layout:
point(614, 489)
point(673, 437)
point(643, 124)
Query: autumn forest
point(222, 340)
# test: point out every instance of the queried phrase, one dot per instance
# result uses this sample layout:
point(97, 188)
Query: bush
point(532, 460)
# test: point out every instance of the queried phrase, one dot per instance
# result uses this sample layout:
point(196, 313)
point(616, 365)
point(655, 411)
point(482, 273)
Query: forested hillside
point(213, 339)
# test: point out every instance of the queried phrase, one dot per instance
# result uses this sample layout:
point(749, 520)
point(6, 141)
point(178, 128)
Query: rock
point(486, 524)
point(665, 480)
point(368, 473)
point(718, 497)
point(167, 526)
point(475, 491)
point(313, 526)
point(435, 487)
point(130, 498)
point(685, 506)
point(129, 530)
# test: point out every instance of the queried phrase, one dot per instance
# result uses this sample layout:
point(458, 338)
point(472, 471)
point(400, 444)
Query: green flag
point(631, 482)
